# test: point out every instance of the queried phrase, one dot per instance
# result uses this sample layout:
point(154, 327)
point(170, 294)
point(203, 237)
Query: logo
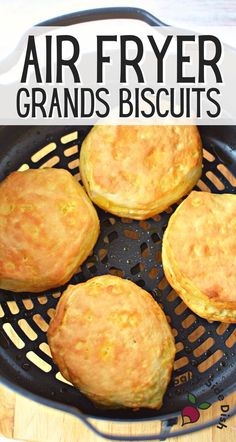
point(191, 414)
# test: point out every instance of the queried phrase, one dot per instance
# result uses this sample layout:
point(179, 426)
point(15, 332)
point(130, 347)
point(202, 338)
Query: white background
point(16, 16)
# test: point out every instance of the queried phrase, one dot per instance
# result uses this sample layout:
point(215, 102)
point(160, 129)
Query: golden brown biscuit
point(111, 340)
point(139, 171)
point(48, 226)
point(199, 254)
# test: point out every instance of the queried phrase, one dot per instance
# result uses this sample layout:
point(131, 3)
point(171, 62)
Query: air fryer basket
point(128, 248)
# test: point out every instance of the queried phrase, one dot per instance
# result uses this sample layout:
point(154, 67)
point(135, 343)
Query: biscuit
point(111, 340)
point(139, 171)
point(48, 227)
point(199, 254)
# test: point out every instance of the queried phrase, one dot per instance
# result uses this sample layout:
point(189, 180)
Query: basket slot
point(131, 234)
point(222, 327)
point(58, 294)
point(180, 363)
point(223, 180)
point(51, 162)
point(141, 283)
point(179, 346)
point(202, 186)
point(28, 303)
point(5, 306)
point(39, 362)
point(40, 322)
point(182, 378)
point(51, 312)
point(227, 174)
point(72, 136)
point(29, 332)
point(180, 308)
point(169, 210)
point(208, 343)
point(208, 156)
point(46, 357)
point(116, 272)
point(153, 273)
point(43, 152)
point(108, 222)
point(196, 334)
point(44, 347)
point(207, 181)
point(76, 175)
point(209, 362)
point(70, 151)
point(74, 164)
point(163, 284)
point(13, 336)
point(1, 312)
point(110, 237)
point(102, 254)
point(215, 180)
point(126, 220)
point(61, 378)
point(137, 268)
point(178, 202)
point(125, 248)
point(144, 225)
point(23, 167)
point(13, 307)
point(167, 316)
point(231, 340)
point(187, 322)
point(42, 299)
point(158, 256)
point(172, 296)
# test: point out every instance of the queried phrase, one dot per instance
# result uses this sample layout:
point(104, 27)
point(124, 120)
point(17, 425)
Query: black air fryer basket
point(127, 248)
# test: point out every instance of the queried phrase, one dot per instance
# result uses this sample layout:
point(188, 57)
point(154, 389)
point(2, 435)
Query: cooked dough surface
point(111, 339)
point(48, 227)
point(199, 254)
point(138, 171)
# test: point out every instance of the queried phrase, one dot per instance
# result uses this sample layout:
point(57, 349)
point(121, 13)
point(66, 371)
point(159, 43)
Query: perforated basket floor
point(132, 249)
